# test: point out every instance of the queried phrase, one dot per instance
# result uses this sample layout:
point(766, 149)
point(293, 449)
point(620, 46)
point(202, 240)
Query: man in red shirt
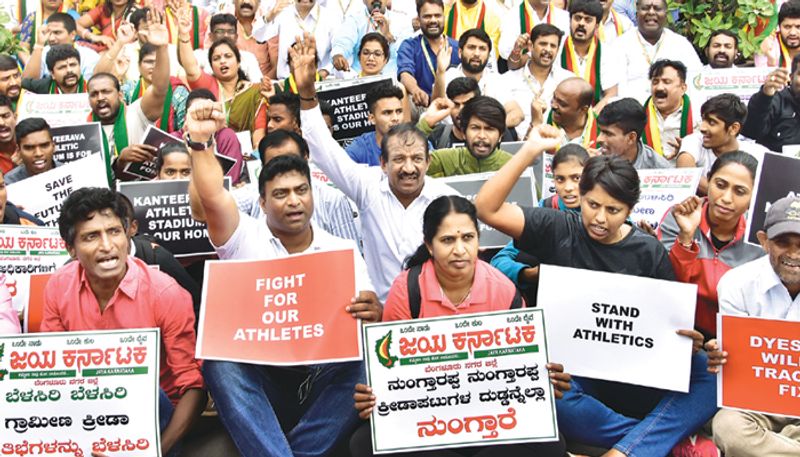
point(8, 144)
point(107, 289)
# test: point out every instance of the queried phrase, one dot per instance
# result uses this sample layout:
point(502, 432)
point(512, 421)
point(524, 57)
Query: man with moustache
point(373, 16)
point(64, 63)
point(60, 29)
point(773, 119)
point(474, 50)
point(36, 147)
point(782, 47)
point(10, 79)
point(531, 87)
point(649, 42)
point(586, 56)
point(483, 122)
point(721, 50)
point(571, 111)
point(669, 110)
point(621, 124)
point(8, 144)
point(517, 24)
point(419, 57)
point(247, 27)
point(613, 24)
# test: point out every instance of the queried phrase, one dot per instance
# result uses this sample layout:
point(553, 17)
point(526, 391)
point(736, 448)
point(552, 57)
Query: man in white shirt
point(670, 113)
point(522, 18)
point(582, 49)
point(532, 86)
point(305, 16)
point(313, 399)
point(60, 29)
point(649, 42)
point(721, 50)
point(767, 287)
point(474, 50)
point(613, 24)
point(391, 200)
point(722, 119)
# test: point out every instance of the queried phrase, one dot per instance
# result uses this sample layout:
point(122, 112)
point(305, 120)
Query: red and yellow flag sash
point(451, 26)
point(601, 28)
point(785, 61)
point(525, 23)
point(652, 135)
point(289, 85)
point(569, 61)
point(590, 129)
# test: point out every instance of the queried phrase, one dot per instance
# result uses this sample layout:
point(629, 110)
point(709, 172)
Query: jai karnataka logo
point(382, 351)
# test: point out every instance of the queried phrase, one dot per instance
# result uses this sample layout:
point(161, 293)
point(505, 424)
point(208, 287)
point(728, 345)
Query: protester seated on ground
point(106, 289)
point(523, 268)
point(483, 120)
point(10, 214)
point(445, 277)
point(723, 116)
point(769, 288)
point(283, 113)
point(773, 119)
point(8, 143)
point(147, 249)
point(36, 148)
point(173, 162)
point(9, 319)
point(373, 55)
point(386, 106)
point(314, 414)
point(631, 419)
point(58, 30)
point(621, 125)
point(707, 237)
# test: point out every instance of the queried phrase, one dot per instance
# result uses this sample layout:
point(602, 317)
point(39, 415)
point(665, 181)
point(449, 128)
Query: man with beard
point(584, 55)
point(647, 43)
point(122, 126)
point(305, 16)
point(769, 288)
point(531, 87)
point(64, 63)
point(8, 144)
point(721, 50)
point(36, 147)
point(10, 80)
point(385, 104)
point(571, 111)
point(372, 17)
point(483, 122)
point(669, 110)
point(782, 47)
point(621, 125)
point(613, 24)
point(517, 24)
point(474, 50)
point(419, 57)
point(60, 29)
point(398, 192)
point(773, 111)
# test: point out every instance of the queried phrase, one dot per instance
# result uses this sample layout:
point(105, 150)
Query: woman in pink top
point(444, 277)
point(9, 321)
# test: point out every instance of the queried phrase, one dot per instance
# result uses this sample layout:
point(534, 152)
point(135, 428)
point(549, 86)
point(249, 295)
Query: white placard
point(56, 109)
point(661, 189)
point(619, 327)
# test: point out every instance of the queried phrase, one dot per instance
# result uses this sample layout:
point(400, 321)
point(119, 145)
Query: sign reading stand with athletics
point(285, 311)
point(613, 326)
point(80, 392)
point(475, 379)
point(763, 369)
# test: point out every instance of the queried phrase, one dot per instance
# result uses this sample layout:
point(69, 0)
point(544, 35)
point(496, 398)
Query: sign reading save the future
point(475, 379)
point(614, 328)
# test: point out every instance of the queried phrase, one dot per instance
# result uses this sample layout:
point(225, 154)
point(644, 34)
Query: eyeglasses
point(225, 32)
point(375, 54)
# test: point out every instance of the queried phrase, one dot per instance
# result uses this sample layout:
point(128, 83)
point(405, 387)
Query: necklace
point(456, 303)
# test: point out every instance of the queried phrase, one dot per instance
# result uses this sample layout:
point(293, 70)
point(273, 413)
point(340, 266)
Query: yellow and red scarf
point(785, 61)
point(451, 26)
point(289, 85)
point(569, 61)
point(172, 27)
point(601, 28)
point(652, 135)
point(590, 130)
point(525, 22)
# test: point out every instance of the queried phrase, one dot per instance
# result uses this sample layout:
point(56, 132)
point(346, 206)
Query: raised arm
point(185, 52)
point(155, 97)
point(126, 34)
point(203, 119)
point(491, 199)
point(33, 67)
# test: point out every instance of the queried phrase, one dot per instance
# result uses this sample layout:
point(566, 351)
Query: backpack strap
point(414, 297)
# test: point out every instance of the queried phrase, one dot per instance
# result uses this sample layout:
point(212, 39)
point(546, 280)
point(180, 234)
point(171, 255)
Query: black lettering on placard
point(73, 142)
point(610, 322)
point(351, 114)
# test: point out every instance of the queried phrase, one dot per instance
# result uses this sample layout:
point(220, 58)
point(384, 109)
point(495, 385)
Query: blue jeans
point(165, 411)
point(667, 417)
point(285, 411)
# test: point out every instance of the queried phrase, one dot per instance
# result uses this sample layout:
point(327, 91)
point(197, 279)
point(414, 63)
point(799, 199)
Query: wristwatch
point(198, 146)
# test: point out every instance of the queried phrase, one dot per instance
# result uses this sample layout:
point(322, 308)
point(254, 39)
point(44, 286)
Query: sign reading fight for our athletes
point(762, 372)
point(613, 326)
point(284, 311)
point(475, 379)
point(75, 393)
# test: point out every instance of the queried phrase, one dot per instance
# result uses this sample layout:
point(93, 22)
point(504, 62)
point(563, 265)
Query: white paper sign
point(457, 381)
point(42, 195)
point(56, 109)
point(661, 189)
point(80, 392)
point(619, 327)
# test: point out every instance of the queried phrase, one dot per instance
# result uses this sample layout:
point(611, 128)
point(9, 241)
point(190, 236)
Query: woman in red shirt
point(445, 277)
point(107, 18)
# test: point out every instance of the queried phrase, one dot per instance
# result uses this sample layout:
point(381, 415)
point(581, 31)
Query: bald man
point(571, 111)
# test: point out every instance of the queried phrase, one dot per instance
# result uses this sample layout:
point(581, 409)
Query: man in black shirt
point(64, 63)
point(772, 118)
